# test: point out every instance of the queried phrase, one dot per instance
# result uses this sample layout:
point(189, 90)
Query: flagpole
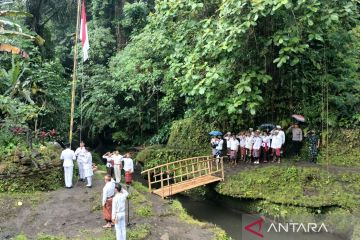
point(73, 90)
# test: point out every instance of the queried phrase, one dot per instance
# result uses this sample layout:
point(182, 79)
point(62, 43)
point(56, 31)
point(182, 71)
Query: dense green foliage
point(343, 149)
point(231, 63)
point(186, 138)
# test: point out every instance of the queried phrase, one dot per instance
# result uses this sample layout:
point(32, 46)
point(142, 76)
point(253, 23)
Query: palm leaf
point(5, 23)
point(13, 34)
point(12, 13)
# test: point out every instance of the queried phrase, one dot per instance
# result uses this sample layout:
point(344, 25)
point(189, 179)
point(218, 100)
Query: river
point(231, 221)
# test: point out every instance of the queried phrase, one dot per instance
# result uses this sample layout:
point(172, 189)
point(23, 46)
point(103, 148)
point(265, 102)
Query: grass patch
point(144, 211)
point(139, 232)
point(298, 186)
point(40, 237)
point(139, 187)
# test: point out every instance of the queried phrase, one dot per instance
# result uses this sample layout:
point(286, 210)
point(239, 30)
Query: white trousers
point(68, 172)
point(89, 181)
point(117, 172)
point(81, 169)
point(120, 227)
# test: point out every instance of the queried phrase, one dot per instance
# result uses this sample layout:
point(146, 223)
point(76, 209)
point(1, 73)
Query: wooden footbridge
point(175, 177)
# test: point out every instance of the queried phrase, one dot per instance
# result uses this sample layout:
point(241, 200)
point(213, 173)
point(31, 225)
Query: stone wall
point(39, 169)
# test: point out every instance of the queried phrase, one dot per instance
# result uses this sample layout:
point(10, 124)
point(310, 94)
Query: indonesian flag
point(84, 33)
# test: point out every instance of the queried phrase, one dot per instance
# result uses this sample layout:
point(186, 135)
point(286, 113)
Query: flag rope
point(73, 90)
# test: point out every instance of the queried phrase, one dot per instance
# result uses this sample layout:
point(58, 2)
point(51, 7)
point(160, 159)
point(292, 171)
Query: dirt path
point(70, 213)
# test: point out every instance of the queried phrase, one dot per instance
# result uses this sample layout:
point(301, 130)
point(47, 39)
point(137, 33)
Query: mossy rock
point(156, 155)
point(343, 148)
point(41, 181)
point(297, 186)
point(190, 133)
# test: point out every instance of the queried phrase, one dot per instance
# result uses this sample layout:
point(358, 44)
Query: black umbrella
point(267, 126)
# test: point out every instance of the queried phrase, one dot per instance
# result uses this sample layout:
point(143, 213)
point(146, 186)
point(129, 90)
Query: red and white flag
point(84, 33)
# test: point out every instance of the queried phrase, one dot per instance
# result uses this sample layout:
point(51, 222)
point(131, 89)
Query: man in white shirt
point(234, 148)
point(118, 211)
point(117, 158)
point(80, 155)
point(276, 144)
point(68, 155)
point(107, 197)
point(227, 137)
point(248, 145)
point(256, 147)
point(109, 163)
point(128, 168)
point(88, 170)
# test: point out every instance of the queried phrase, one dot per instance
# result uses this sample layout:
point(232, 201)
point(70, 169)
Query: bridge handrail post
point(222, 168)
point(149, 181)
point(162, 183)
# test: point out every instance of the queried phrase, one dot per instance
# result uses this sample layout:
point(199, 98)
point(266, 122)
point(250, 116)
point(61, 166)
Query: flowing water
point(231, 221)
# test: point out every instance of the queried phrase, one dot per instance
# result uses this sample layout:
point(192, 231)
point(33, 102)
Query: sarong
point(233, 154)
point(107, 209)
point(128, 177)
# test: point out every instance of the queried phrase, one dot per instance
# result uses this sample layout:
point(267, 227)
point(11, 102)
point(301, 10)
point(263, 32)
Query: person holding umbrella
point(297, 137)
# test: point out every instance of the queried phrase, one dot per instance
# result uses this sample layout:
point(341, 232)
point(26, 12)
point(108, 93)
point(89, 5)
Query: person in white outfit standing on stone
point(88, 170)
point(80, 155)
point(118, 211)
point(68, 155)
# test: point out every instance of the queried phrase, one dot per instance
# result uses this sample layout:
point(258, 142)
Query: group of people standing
point(113, 195)
point(262, 146)
point(113, 202)
point(83, 158)
point(249, 146)
point(116, 162)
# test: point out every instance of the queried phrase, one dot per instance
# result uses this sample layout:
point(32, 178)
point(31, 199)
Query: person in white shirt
point(118, 211)
point(297, 137)
point(282, 136)
point(107, 197)
point(234, 148)
point(219, 147)
point(256, 147)
point(68, 155)
point(109, 163)
point(276, 144)
point(214, 142)
point(242, 146)
point(88, 170)
point(227, 137)
point(117, 165)
point(80, 157)
point(128, 168)
point(248, 145)
point(266, 145)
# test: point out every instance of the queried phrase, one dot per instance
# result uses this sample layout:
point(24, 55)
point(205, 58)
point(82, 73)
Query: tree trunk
point(121, 38)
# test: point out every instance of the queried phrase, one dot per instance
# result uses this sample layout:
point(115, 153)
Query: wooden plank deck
point(185, 185)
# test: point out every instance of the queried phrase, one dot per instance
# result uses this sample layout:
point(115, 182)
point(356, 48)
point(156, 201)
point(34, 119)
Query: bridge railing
point(183, 170)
